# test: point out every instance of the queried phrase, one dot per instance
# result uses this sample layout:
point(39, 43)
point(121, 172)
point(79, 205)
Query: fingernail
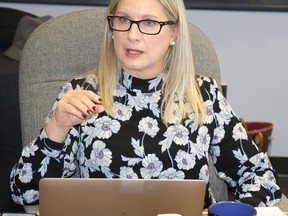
point(94, 108)
point(84, 116)
point(88, 111)
point(100, 99)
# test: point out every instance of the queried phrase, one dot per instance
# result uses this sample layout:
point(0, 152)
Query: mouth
point(134, 52)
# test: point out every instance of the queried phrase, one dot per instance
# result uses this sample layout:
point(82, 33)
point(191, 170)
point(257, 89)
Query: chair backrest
point(69, 44)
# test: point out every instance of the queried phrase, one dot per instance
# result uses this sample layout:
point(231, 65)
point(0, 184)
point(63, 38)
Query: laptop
point(120, 197)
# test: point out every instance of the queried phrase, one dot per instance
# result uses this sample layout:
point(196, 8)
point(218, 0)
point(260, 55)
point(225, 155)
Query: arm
point(52, 154)
point(237, 159)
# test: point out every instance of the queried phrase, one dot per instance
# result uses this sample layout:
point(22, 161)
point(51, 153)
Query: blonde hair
point(180, 80)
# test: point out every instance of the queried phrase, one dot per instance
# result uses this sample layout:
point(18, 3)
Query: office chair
point(69, 44)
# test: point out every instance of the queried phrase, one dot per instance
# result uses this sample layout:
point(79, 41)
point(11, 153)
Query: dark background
point(254, 5)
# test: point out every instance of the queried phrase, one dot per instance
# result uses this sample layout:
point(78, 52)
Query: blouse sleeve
point(237, 159)
point(44, 158)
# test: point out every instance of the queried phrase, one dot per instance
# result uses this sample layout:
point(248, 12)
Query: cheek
point(117, 45)
point(159, 46)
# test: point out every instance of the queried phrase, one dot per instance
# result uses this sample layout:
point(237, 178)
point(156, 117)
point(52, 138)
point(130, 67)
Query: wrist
point(55, 132)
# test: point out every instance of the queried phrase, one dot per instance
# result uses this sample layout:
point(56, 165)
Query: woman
point(142, 113)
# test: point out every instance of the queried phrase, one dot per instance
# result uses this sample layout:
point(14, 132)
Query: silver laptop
point(120, 197)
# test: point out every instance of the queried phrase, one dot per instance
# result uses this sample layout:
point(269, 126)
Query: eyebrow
point(143, 17)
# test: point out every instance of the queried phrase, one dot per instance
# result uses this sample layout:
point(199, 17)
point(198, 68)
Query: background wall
point(252, 48)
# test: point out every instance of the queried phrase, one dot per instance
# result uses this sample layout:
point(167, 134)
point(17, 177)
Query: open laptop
point(120, 197)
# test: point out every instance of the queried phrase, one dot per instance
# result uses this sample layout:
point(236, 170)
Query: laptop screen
point(120, 197)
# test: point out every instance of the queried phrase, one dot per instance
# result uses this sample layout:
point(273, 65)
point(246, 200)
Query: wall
point(252, 48)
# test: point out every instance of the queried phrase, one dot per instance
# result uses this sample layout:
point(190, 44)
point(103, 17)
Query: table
point(33, 209)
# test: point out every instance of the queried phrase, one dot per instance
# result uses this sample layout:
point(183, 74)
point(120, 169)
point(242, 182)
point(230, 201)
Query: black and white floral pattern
point(136, 144)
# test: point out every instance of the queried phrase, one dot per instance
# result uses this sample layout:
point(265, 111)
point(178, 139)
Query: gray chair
point(68, 45)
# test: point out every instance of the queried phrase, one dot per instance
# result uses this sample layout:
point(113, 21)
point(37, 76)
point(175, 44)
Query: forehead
point(141, 8)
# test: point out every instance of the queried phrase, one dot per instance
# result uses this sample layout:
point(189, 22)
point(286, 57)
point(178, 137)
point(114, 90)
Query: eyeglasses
point(149, 27)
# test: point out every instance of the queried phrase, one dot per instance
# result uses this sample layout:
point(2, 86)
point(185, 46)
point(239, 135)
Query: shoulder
point(208, 87)
point(206, 81)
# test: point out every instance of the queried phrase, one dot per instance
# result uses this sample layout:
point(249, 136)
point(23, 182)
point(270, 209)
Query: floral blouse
point(136, 144)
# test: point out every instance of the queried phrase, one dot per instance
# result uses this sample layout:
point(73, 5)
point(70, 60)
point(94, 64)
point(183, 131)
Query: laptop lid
point(120, 197)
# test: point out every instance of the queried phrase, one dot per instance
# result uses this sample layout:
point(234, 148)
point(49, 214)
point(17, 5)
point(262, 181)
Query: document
point(268, 211)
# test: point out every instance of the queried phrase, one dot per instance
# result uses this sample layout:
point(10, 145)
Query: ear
point(174, 34)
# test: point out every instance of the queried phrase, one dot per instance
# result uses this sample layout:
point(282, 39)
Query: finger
point(94, 97)
point(78, 99)
point(98, 109)
point(70, 109)
point(84, 100)
point(80, 104)
point(92, 101)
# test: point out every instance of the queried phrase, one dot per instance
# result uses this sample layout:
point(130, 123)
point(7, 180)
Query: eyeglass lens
point(144, 26)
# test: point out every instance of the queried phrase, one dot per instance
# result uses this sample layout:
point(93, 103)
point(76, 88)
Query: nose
point(134, 32)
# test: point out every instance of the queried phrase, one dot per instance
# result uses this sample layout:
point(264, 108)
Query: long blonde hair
point(180, 80)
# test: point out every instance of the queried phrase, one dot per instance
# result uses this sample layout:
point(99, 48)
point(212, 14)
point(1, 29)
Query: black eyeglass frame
point(109, 18)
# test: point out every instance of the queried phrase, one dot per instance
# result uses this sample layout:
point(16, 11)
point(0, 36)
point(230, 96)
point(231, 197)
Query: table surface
point(33, 209)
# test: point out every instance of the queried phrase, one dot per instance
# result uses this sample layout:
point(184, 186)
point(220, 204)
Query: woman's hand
point(72, 109)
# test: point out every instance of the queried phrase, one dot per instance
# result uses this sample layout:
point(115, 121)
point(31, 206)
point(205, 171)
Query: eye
point(124, 20)
point(149, 23)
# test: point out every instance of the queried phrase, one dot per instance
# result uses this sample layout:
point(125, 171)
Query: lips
point(134, 51)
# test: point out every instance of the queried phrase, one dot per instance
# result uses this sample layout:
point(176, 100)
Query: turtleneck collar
point(144, 85)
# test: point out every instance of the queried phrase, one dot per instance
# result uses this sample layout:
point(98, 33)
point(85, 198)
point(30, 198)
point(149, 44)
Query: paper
point(268, 211)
